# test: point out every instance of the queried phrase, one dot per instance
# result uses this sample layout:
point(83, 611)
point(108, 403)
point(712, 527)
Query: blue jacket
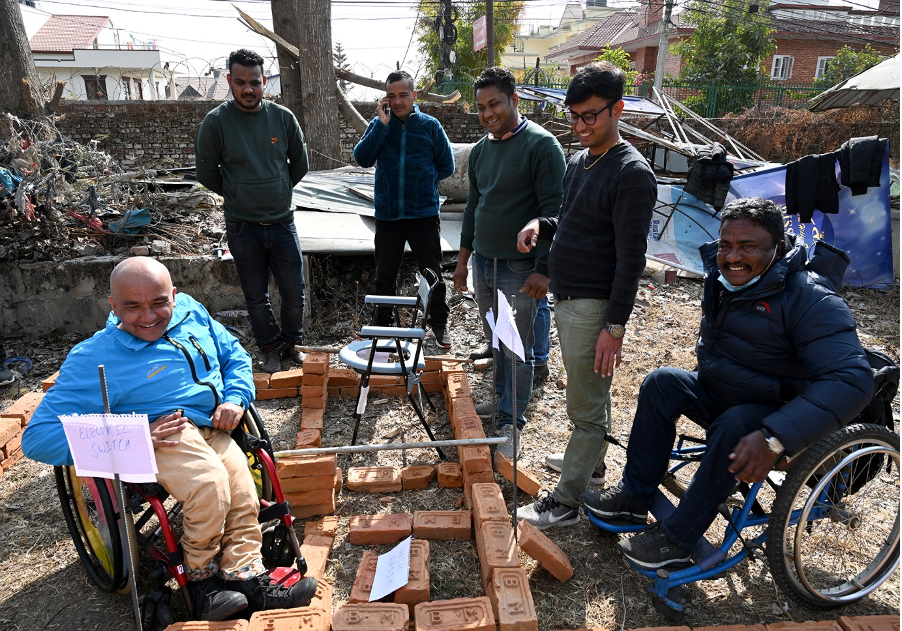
point(153, 378)
point(411, 156)
point(790, 341)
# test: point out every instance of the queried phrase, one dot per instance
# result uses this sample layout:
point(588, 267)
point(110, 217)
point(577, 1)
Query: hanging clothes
point(860, 162)
point(811, 183)
point(709, 175)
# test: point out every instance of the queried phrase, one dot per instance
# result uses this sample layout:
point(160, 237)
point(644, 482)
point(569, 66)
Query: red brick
point(325, 527)
point(11, 459)
point(470, 614)
point(526, 480)
point(384, 381)
point(280, 393)
point(311, 498)
point(322, 599)
point(434, 362)
point(450, 475)
point(342, 377)
point(430, 376)
point(261, 381)
point(197, 625)
point(478, 477)
point(49, 381)
point(311, 392)
point(306, 618)
point(449, 368)
point(305, 512)
point(308, 438)
point(811, 625)
point(462, 408)
point(488, 505)
point(443, 525)
point(475, 459)
point(497, 548)
point(338, 479)
point(363, 582)
point(316, 550)
point(306, 484)
point(370, 617)
point(311, 379)
point(23, 407)
point(544, 550)
point(316, 363)
point(417, 589)
point(458, 386)
point(306, 466)
point(470, 427)
point(417, 477)
point(512, 600)
point(286, 378)
point(432, 387)
point(333, 391)
point(374, 479)
point(378, 529)
point(9, 428)
point(312, 418)
point(15, 443)
point(869, 623)
point(349, 391)
point(314, 403)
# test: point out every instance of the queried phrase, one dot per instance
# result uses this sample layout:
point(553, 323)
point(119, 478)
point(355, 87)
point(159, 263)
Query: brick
point(261, 381)
point(48, 383)
point(450, 475)
point(488, 505)
point(306, 618)
point(14, 444)
point(378, 529)
point(476, 459)
point(305, 512)
point(458, 386)
point(280, 393)
point(325, 527)
point(286, 378)
point(370, 617)
point(305, 484)
point(432, 387)
point(478, 477)
point(526, 480)
point(417, 477)
point(311, 392)
point(311, 498)
point(470, 614)
point(306, 466)
point(449, 368)
point(9, 428)
point(339, 481)
point(374, 479)
point(869, 623)
point(348, 391)
point(333, 392)
point(316, 363)
point(443, 525)
point(315, 403)
point(470, 427)
point(23, 407)
point(311, 379)
point(363, 582)
point(342, 377)
point(312, 418)
point(10, 460)
point(462, 408)
point(307, 438)
point(811, 625)
point(430, 376)
point(544, 550)
point(197, 625)
point(512, 600)
point(384, 381)
point(434, 363)
point(316, 550)
point(497, 548)
point(322, 599)
point(417, 589)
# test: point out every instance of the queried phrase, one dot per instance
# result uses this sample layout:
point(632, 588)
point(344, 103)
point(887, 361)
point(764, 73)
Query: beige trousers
point(208, 473)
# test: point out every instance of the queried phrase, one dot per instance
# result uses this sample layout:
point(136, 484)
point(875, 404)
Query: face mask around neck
point(731, 287)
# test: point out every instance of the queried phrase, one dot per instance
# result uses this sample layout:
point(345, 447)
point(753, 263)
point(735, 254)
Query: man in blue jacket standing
point(780, 366)
point(411, 153)
point(164, 356)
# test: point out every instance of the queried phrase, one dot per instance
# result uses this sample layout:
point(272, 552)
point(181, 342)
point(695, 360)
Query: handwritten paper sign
point(392, 571)
point(105, 444)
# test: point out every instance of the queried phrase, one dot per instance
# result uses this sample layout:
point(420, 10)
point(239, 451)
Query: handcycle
point(92, 514)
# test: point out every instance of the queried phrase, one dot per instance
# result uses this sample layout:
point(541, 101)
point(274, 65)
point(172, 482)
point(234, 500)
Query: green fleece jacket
point(252, 159)
point(512, 181)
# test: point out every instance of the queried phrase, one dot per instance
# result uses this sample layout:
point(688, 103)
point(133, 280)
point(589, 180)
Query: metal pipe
point(429, 444)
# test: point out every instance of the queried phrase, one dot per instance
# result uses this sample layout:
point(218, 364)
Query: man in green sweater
point(516, 173)
point(252, 152)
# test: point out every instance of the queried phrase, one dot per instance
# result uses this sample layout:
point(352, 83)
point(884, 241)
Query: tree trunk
point(320, 103)
point(20, 86)
point(285, 24)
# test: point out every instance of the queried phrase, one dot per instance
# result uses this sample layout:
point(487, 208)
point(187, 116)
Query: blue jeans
point(665, 395)
point(257, 249)
point(541, 332)
point(512, 273)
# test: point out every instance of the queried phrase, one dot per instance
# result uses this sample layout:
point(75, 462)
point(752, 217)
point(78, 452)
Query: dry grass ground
point(43, 586)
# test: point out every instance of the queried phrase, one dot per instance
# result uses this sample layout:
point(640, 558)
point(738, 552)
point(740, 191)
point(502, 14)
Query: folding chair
point(394, 350)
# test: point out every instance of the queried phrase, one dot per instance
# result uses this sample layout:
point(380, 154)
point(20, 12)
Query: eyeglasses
point(589, 117)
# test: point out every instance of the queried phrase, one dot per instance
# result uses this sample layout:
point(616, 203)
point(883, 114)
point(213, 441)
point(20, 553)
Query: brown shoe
point(272, 359)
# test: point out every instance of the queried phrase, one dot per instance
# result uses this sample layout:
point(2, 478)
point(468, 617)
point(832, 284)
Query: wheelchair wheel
point(92, 523)
point(833, 535)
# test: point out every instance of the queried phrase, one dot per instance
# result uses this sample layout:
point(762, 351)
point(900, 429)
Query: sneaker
point(272, 359)
point(485, 409)
point(212, 600)
point(6, 376)
point(507, 449)
point(651, 549)
point(442, 337)
point(293, 355)
point(483, 353)
point(547, 512)
point(613, 503)
point(263, 594)
point(540, 373)
point(555, 462)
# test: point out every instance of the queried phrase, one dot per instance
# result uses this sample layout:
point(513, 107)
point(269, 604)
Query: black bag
point(886, 383)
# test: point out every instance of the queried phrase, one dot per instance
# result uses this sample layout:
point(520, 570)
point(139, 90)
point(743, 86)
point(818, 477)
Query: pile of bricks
point(310, 483)
point(12, 423)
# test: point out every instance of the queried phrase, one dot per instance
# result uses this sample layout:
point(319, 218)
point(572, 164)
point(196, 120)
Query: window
point(95, 87)
point(126, 88)
point(782, 67)
point(822, 64)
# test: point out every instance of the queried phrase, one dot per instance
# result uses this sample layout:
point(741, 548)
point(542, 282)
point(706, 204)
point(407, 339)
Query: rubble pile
point(60, 199)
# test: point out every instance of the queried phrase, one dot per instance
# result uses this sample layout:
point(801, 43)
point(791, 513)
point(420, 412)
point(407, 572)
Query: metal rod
point(350, 449)
point(334, 351)
point(515, 423)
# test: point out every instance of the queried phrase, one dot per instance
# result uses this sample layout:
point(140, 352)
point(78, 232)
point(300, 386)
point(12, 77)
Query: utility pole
point(490, 32)
point(662, 46)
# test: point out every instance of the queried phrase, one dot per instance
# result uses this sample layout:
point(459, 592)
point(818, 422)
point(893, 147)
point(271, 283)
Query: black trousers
point(424, 236)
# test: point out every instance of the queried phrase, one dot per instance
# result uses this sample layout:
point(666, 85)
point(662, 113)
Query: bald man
point(164, 356)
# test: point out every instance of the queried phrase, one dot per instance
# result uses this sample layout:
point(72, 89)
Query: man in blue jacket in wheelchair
point(779, 367)
point(164, 356)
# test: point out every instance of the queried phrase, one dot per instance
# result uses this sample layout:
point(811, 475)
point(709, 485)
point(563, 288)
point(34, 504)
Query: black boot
point(212, 600)
point(263, 594)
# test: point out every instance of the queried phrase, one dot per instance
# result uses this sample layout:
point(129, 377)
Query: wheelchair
point(831, 536)
point(90, 508)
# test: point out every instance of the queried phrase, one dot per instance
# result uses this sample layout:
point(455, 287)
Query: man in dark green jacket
point(252, 152)
point(516, 173)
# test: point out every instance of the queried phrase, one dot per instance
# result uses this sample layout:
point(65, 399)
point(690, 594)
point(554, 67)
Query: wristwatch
point(616, 330)
point(773, 443)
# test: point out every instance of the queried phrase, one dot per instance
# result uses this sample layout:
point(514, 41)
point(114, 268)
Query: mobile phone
point(386, 108)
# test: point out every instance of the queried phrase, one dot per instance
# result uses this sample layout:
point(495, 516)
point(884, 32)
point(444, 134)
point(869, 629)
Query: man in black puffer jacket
point(779, 367)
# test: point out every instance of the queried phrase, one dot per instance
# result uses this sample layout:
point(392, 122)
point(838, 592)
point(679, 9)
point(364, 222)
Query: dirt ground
point(44, 586)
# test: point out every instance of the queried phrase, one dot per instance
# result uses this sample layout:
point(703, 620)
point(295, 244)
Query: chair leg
point(416, 408)
point(423, 393)
point(361, 405)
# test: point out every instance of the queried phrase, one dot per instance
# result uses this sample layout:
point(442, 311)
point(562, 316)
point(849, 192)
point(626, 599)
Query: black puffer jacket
point(788, 340)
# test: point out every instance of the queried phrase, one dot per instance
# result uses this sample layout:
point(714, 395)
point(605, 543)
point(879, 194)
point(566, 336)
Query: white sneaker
point(555, 462)
point(547, 512)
